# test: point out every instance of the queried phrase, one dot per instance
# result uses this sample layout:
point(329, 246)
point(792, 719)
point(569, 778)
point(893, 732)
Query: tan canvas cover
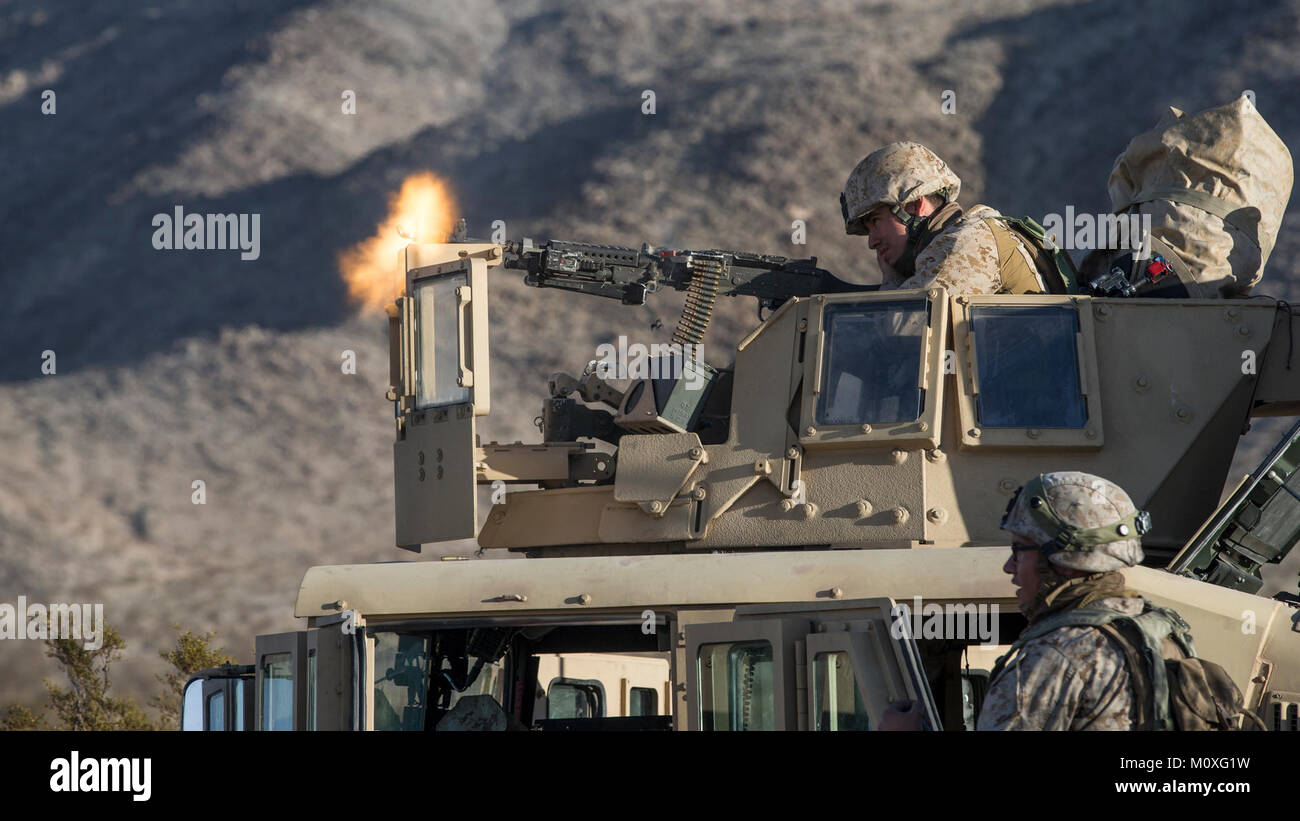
point(1215, 184)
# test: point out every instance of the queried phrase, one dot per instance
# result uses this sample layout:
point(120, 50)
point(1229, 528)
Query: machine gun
point(628, 274)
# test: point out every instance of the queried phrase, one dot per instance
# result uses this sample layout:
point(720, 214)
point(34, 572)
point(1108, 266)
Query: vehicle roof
point(477, 586)
point(427, 588)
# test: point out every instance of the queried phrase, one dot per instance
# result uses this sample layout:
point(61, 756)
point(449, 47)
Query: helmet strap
point(920, 232)
point(905, 267)
point(910, 221)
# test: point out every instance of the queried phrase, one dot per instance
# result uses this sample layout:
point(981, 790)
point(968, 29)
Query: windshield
point(407, 697)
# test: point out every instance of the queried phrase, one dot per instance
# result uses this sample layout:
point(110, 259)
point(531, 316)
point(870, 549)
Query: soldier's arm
point(1038, 691)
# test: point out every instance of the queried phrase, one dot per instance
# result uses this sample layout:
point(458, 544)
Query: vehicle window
point(277, 691)
point(239, 703)
point(1027, 362)
point(567, 698)
point(488, 682)
point(217, 711)
point(736, 686)
point(871, 364)
point(192, 717)
point(437, 341)
point(837, 704)
point(643, 701)
point(401, 683)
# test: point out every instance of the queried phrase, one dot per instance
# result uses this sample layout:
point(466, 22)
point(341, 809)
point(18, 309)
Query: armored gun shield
point(438, 341)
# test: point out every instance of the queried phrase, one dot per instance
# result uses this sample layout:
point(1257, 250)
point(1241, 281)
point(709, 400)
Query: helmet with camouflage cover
point(893, 176)
point(1079, 521)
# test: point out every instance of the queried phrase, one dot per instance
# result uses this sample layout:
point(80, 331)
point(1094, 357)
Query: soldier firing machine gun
point(681, 394)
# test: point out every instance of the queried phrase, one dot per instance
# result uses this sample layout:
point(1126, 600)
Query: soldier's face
point(885, 235)
point(1023, 567)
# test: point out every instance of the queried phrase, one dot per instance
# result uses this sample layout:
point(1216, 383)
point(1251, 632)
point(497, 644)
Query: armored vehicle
point(795, 540)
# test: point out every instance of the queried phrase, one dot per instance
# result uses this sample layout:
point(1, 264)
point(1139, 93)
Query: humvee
point(793, 541)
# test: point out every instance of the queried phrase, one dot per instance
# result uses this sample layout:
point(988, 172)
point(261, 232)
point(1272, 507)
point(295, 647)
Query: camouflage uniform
point(965, 252)
point(965, 259)
point(1072, 678)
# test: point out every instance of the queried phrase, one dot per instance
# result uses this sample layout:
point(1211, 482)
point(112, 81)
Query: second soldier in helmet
point(1071, 534)
point(903, 198)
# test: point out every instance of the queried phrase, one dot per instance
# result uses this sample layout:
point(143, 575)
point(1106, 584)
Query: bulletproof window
point(438, 335)
point(736, 686)
point(240, 695)
point(192, 717)
point(277, 691)
point(643, 701)
point(872, 362)
point(1027, 365)
point(217, 711)
point(837, 703)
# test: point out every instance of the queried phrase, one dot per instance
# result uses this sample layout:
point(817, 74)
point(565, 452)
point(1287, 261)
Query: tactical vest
point(1016, 274)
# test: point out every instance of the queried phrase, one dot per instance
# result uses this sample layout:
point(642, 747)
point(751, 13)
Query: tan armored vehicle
point(729, 548)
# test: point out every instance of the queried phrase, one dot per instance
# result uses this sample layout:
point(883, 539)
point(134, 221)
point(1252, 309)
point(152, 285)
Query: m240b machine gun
point(628, 274)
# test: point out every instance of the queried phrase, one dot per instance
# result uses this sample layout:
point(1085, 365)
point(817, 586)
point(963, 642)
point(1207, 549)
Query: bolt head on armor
point(894, 176)
point(1084, 501)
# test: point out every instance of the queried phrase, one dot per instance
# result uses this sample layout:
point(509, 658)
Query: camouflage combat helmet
point(1079, 521)
point(893, 176)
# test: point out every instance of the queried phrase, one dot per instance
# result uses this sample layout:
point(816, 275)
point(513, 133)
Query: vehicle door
point(804, 666)
point(304, 679)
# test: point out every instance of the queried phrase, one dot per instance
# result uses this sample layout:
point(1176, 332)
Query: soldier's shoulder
point(963, 257)
point(1086, 643)
point(969, 235)
point(980, 212)
point(1126, 605)
point(1070, 643)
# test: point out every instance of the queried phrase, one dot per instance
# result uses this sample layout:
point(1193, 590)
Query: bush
point(87, 705)
point(190, 655)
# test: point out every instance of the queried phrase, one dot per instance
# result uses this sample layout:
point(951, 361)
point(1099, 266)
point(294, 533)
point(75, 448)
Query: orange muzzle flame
point(422, 211)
